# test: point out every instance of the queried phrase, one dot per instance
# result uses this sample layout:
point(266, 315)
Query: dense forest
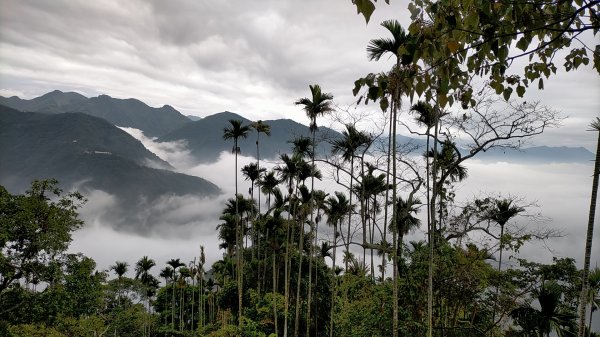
point(299, 261)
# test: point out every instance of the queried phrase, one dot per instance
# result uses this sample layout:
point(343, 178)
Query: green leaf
point(506, 93)
point(522, 44)
point(520, 90)
point(442, 100)
point(541, 84)
point(364, 7)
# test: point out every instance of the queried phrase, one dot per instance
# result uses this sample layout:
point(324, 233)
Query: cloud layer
point(561, 190)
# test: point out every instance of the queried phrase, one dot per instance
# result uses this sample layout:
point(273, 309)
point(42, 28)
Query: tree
point(551, 316)
point(120, 268)
point(396, 82)
point(593, 297)
point(267, 184)
point(590, 231)
point(336, 209)
point(149, 282)
point(235, 131)
point(35, 230)
point(405, 221)
point(260, 127)
point(347, 146)
point(502, 211)
point(319, 104)
point(460, 41)
point(174, 264)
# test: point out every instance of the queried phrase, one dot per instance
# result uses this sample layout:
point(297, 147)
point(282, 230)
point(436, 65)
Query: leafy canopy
point(458, 39)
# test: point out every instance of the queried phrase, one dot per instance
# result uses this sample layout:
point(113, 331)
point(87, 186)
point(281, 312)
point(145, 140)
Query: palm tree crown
point(318, 105)
point(120, 268)
point(400, 39)
point(235, 131)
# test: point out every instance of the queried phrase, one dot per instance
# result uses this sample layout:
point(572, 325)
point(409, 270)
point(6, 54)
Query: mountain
point(130, 112)
point(88, 153)
point(526, 155)
point(539, 154)
point(205, 137)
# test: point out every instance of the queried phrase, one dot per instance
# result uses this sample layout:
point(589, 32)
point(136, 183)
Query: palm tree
point(370, 187)
point(142, 269)
point(503, 210)
point(260, 127)
point(288, 172)
point(267, 184)
point(347, 146)
point(318, 199)
point(120, 268)
point(336, 210)
point(551, 316)
point(236, 131)
point(405, 221)
point(593, 294)
point(253, 173)
point(590, 231)
point(375, 50)
point(174, 264)
point(142, 273)
point(319, 104)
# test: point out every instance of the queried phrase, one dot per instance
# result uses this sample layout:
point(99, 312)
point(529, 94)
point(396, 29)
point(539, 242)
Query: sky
point(254, 58)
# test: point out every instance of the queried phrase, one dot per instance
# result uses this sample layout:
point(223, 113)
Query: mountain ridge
point(129, 112)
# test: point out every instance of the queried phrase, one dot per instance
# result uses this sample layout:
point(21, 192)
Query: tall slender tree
point(260, 127)
point(336, 209)
point(405, 220)
point(120, 268)
point(288, 172)
point(590, 232)
point(234, 132)
point(174, 264)
point(319, 104)
point(347, 146)
point(149, 282)
point(376, 49)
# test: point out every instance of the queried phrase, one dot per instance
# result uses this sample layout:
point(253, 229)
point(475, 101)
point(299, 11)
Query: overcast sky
point(251, 57)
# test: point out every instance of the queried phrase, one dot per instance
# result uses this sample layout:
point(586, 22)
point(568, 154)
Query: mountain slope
point(88, 153)
point(205, 137)
point(122, 112)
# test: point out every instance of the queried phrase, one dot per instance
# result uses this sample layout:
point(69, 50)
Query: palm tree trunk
point(588, 239)
point(394, 210)
point(288, 264)
point(387, 197)
point(312, 250)
point(432, 235)
point(300, 249)
point(193, 303)
point(240, 272)
point(173, 302)
point(275, 292)
point(334, 280)
point(316, 278)
point(350, 213)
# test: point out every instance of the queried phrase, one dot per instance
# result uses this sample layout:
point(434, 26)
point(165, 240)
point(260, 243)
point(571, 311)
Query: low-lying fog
point(562, 192)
